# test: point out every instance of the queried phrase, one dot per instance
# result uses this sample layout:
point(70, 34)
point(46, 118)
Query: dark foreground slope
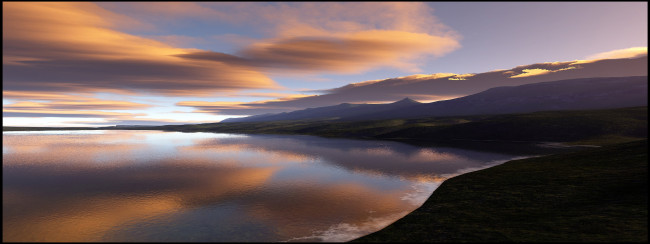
point(592, 195)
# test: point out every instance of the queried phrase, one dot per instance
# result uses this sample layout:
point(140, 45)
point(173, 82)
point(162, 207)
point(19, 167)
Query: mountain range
point(571, 94)
point(443, 86)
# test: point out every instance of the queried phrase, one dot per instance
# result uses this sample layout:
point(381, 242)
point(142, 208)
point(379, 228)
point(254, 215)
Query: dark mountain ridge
point(573, 94)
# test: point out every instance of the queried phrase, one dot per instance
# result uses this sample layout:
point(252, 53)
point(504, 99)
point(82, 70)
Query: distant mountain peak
point(572, 94)
point(406, 101)
point(344, 105)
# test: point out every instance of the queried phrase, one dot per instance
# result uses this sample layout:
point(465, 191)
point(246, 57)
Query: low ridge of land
point(597, 127)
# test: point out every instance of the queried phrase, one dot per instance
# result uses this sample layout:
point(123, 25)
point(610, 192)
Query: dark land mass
point(593, 127)
point(593, 195)
point(575, 94)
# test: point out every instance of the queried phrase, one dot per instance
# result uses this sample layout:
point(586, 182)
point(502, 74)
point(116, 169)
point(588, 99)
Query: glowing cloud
point(238, 108)
point(32, 112)
point(329, 37)
point(633, 52)
point(531, 72)
point(78, 105)
point(347, 53)
point(461, 77)
point(41, 104)
point(534, 72)
point(63, 47)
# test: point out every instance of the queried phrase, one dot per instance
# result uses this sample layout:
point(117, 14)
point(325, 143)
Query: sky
point(121, 63)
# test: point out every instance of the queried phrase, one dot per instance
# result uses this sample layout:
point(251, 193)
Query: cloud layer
point(70, 47)
point(64, 47)
point(633, 52)
point(333, 37)
point(345, 53)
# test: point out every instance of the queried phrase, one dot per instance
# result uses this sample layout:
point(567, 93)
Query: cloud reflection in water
point(171, 186)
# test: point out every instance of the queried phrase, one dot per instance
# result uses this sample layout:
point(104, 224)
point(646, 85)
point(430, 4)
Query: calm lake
point(159, 186)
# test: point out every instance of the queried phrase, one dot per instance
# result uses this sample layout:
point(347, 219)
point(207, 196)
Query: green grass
point(594, 195)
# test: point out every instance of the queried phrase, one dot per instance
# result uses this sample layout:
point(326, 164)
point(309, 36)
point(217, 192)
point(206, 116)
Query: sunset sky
point(109, 63)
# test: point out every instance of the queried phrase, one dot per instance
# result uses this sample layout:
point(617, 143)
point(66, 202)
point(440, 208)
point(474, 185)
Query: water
point(181, 187)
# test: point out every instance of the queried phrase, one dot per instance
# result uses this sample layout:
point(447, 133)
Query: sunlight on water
point(172, 186)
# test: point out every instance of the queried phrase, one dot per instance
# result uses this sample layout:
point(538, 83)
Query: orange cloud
point(352, 52)
point(220, 107)
point(330, 37)
point(352, 37)
point(277, 95)
point(27, 95)
point(342, 53)
point(633, 52)
point(36, 104)
point(199, 104)
point(531, 72)
point(70, 107)
point(299, 18)
point(534, 72)
point(235, 108)
point(22, 110)
point(461, 77)
point(75, 47)
point(71, 47)
point(58, 105)
point(77, 105)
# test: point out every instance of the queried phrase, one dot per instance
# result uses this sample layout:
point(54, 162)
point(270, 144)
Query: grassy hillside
point(567, 126)
point(594, 195)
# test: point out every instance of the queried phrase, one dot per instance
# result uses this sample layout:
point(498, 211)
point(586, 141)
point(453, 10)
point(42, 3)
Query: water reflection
point(375, 157)
point(171, 186)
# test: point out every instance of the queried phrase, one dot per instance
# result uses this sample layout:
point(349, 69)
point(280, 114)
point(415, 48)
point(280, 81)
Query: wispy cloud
point(242, 108)
point(534, 72)
point(83, 105)
point(32, 112)
point(341, 53)
point(633, 52)
point(67, 47)
point(296, 18)
point(77, 47)
point(321, 37)
point(43, 104)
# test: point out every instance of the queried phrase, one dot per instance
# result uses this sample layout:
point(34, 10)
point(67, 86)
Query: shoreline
point(556, 197)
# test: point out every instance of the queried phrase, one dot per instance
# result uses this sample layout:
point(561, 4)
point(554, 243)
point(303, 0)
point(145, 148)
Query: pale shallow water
point(159, 186)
